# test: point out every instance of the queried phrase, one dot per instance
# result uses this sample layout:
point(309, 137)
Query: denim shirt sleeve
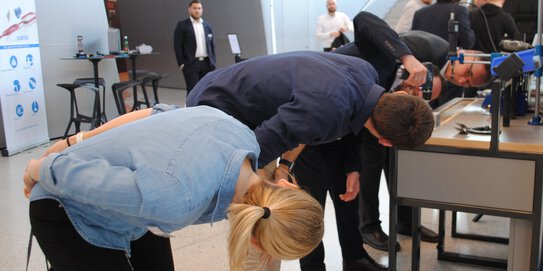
point(115, 188)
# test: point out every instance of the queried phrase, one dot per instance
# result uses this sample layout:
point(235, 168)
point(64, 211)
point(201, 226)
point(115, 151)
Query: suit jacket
point(435, 19)
point(184, 43)
point(420, 41)
point(378, 44)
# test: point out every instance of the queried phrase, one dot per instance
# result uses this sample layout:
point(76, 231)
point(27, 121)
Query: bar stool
point(101, 83)
point(118, 89)
point(145, 77)
point(76, 117)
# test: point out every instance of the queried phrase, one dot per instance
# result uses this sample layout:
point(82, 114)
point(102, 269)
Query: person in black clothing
point(435, 19)
point(371, 33)
point(497, 24)
point(378, 44)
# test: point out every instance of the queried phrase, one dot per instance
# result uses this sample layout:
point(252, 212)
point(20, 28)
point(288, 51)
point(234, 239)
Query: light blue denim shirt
point(168, 170)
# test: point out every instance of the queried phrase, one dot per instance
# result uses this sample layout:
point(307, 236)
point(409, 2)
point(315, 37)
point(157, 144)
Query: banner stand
point(23, 120)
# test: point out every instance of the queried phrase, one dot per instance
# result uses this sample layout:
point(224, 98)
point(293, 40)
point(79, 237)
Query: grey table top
point(519, 137)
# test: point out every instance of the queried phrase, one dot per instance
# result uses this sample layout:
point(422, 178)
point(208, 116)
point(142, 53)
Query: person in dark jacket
point(491, 19)
point(193, 45)
point(371, 33)
point(299, 104)
point(435, 19)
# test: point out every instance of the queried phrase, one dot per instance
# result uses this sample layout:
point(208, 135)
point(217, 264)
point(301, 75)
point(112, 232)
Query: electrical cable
point(486, 25)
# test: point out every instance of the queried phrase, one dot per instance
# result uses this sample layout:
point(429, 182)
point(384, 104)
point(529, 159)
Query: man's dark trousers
point(319, 169)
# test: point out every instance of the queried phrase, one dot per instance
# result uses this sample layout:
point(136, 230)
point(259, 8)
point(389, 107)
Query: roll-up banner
point(23, 122)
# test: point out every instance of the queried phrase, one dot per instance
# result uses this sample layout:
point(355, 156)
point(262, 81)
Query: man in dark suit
point(193, 45)
point(435, 19)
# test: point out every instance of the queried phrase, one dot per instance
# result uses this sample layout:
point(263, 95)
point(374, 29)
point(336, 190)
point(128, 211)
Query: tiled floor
point(204, 248)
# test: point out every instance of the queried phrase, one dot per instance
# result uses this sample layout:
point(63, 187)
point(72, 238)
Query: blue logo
point(29, 60)
point(18, 12)
point(32, 83)
point(13, 62)
point(35, 107)
point(19, 110)
point(16, 86)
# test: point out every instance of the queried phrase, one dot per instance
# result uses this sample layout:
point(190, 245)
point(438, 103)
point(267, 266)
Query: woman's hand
point(267, 172)
point(31, 175)
point(29, 184)
point(281, 172)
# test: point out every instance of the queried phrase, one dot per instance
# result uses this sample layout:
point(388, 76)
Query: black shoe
point(426, 234)
point(363, 264)
point(378, 239)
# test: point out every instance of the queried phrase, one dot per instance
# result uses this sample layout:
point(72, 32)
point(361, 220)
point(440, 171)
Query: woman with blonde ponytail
point(105, 201)
point(280, 221)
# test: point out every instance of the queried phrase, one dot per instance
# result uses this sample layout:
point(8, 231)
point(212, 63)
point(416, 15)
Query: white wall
point(295, 21)
point(59, 24)
point(153, 22)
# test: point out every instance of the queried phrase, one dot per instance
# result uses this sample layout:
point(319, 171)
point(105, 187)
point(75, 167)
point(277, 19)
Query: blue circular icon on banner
point(18, 12)
point(29, 60)
point(35, 107)
point(16, 86)
point(13, 62)
point(19, 110)
point(32, 83)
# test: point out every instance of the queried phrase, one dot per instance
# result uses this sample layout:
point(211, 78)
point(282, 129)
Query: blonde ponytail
point(292, 230)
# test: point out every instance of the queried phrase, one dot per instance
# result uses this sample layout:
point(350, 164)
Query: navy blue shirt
point(293, 98)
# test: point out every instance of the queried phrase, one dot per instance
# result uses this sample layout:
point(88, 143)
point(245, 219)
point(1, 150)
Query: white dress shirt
point(327, 24)
point(200, 35)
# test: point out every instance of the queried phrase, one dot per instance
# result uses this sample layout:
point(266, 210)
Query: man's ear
point(385, 142)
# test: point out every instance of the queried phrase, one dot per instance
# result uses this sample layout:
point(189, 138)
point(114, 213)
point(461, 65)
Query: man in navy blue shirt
point(300, 99)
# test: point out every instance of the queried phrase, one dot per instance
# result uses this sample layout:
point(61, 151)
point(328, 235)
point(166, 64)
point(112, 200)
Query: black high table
point(95, 59)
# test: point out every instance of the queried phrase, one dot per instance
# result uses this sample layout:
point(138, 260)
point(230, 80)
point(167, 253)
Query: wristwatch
point(286, 163)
